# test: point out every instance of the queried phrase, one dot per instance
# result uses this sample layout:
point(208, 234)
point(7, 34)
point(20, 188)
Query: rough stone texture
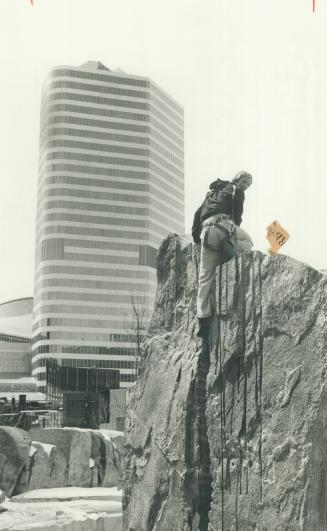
point(82, 458)
point(14, 457)
point(47, 467)
point(231, 434)
point(59, 458)
point(111, 457)
point(77, 464)
point(63, 509)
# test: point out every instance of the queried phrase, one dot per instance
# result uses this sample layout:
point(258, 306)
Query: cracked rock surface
point(231, 434)
point(58, 457)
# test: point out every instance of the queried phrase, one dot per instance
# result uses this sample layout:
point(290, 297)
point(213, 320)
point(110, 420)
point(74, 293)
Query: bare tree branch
point(137, 328)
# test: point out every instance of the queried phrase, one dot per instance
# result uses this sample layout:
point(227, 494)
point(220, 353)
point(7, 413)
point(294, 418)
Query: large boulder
point(74, 446)
point(111, 457)
point(75, 457)
point(231, 433)
point(268, 438)
point(14, 457)
point(59, 457)
point(47, 467)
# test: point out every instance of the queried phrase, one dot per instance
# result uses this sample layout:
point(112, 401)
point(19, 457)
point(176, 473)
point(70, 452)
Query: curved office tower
point(111, 187)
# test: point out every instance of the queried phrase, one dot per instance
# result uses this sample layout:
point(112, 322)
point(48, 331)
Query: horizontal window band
point(174, 177)
point(96, 135)
point(88, 125)
point(122, 92)
point(59, 95)
point(96, 146)
point(123, 212)
point(143, 235)
point(102, 77)
point(120, 289)
point(114, 202)
point(97, 184)
point(62, 216)
point(176, 127)
point(73, 238)
point(49, 169)
point(92, 307)
point(105, 78)
point(81, 121)
point(155, 89)
point(112, 113)
point(91, 271)
point(74, 186)
point(154, 151)
point(150, 177)
point(108, 208)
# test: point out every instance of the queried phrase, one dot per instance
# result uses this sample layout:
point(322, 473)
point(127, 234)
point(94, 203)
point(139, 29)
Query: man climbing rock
point(216, 226)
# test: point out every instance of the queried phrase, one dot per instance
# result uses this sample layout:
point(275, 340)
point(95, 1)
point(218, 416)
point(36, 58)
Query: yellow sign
point(277, 236)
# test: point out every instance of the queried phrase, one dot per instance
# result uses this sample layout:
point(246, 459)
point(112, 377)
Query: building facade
point(16, 348)
point(111, 187)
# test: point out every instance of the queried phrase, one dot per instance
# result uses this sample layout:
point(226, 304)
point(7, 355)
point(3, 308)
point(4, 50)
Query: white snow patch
point(69, 493)
point(48, 448)
point(32, 451)
point(42, 510)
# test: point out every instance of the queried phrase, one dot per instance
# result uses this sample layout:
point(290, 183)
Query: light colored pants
point(210, 259)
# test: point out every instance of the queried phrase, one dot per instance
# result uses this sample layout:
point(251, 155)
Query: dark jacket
point(219, 200)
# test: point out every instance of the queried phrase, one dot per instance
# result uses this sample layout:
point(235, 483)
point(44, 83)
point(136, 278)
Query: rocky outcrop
point(82, 458)
point(59, 458)
point(231, 434)
point(47, 467)
point(111, 451)
point(14, 453)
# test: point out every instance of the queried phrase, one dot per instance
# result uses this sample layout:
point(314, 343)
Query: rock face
point(14, 455)
point(48, 467)
point(59, 458)
point(80, 458)
point(231, 434)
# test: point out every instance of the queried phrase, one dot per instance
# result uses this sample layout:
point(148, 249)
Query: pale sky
point(251, 75)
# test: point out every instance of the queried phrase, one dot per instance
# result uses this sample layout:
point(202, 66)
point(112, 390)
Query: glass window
point(98, 271)
point(169, 101)
point(105, 124)
point(66, 83)
point(98, 100)
point(65, 107)
point(95, 146)
point(148, 256)
point(97, 135)
point(100, 77)
point(52, 249)
point(86, 157)
point(99, 183)
point(114, 172)
point(98, 207)
point(90, 194)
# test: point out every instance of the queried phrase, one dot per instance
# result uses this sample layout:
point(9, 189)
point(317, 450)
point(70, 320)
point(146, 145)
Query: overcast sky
point(251, 75)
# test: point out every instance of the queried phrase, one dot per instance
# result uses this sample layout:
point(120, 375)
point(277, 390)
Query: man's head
point(242, 180)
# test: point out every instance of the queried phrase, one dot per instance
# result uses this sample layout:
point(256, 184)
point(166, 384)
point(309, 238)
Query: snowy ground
point(63, 509)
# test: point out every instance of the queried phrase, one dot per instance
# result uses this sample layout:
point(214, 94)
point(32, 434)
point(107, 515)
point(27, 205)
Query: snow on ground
point(70, 493)
point(67, 508)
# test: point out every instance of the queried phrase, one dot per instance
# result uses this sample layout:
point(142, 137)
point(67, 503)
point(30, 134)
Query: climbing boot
point(204, 326)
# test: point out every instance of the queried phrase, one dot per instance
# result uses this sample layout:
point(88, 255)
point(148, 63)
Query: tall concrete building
point(111, 187)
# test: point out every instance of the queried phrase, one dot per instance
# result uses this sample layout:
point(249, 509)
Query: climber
point(216, 226)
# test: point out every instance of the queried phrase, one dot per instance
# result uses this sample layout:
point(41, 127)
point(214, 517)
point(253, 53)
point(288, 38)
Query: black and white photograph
point(163, 274)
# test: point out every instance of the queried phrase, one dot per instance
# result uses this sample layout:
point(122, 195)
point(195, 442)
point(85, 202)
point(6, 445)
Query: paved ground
point(66, 509)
